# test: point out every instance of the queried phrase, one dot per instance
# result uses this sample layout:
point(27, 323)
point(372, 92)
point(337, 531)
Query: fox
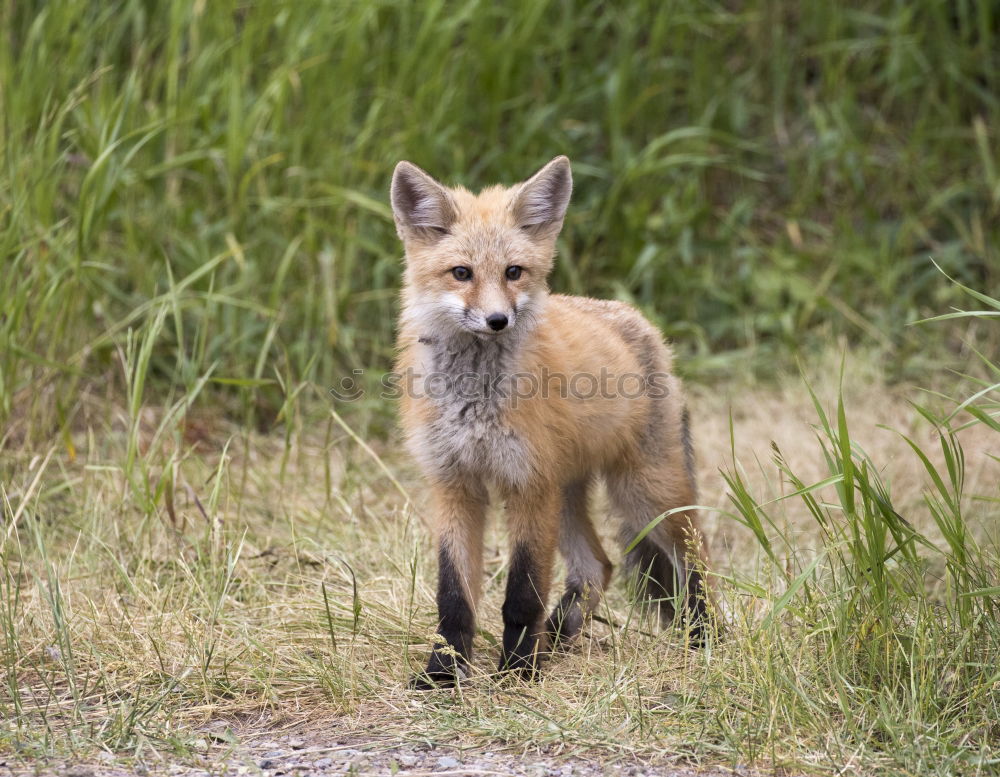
point(514, 391)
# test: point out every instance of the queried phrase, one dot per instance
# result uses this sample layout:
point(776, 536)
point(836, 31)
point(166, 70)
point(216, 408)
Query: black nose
point(496, 321)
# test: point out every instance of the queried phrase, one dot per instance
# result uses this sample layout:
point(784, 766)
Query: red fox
point(536, 395)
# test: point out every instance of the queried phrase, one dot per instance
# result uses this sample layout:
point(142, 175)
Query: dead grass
point(291, 578)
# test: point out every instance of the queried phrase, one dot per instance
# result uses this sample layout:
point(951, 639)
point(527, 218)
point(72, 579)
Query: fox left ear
point(422, 207)
point(542, 200)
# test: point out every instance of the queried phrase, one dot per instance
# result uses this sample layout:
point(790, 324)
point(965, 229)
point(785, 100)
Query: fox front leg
point(460, 511)
point(534, 529)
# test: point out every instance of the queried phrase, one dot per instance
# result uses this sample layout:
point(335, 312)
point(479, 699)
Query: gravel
point(302, 756)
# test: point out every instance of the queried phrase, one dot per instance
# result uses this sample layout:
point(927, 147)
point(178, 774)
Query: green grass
point(761, 177)
point(195, 243)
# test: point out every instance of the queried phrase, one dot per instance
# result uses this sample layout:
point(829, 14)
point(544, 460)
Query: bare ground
point(354, 746)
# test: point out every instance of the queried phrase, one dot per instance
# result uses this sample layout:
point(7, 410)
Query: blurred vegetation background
point(758, 176)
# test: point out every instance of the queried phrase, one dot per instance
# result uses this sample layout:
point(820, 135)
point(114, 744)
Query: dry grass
point(782, 415)
point(289, 577)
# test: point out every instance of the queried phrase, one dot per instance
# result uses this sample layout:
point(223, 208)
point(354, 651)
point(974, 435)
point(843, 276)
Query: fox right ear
point(422, 207)
point(542, 200)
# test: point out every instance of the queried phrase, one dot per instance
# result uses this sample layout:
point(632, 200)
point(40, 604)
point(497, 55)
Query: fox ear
point(541, 203)
point(422, 207)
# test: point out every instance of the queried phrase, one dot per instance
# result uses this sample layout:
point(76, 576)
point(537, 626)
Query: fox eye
point(461, 273)
point(513, 272)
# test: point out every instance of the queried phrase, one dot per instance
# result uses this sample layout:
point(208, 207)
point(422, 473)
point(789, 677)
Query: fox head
point(478, 264)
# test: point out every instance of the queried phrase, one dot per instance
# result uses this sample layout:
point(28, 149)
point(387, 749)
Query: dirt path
point(302, 753)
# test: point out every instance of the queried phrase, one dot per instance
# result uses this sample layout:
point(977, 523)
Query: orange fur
point(584, 387)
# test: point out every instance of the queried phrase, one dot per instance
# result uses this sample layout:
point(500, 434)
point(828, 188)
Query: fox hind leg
point(668, 561)
point(588, 568)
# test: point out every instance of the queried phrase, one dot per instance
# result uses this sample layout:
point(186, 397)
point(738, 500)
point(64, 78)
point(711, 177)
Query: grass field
point(195, 244)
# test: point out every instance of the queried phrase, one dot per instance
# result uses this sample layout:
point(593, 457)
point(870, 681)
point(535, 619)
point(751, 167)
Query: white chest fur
point(468, 381)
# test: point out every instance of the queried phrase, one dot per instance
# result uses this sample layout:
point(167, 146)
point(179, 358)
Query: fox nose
point(496, 321)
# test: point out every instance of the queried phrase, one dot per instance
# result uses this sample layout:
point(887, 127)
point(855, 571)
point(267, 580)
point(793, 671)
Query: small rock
point(296, 744)
point(407, 760)
point(274, 760)
point(323, 763)
point(447, 762)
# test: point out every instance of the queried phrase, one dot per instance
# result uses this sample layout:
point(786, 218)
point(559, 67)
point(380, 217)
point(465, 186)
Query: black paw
point(703, 630)
point(524, 666)
point(428, 681)
point(562, 628)
point(444, 670)
point(700, 622)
